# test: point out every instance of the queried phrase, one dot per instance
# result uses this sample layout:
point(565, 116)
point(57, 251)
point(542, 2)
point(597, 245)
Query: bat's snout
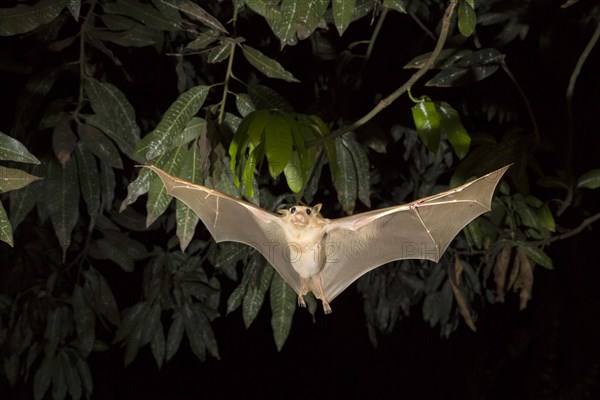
point(299, 219)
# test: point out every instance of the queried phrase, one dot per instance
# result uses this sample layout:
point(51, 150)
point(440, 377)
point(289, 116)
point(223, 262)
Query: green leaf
point(13, 150)
point(220, 52)
point(63, 140)
point(308, 16)
point(544, 216)
point(114, 116)
point(89, 180)
point(294, 174)
point(343, 12)
point(100, 145)
point(142, 12)
point(157, 345)
point(85, 322)
point(174, 336)
point(589, 180)
point(158, 199)
point(137, 35)
point(466, 18)
point(5, 228)
point(203, 40)
point(428, 123)
point(62, 198)
point(173, 123)
point(278, 143)
point(454, 129)
point(258, 284)
point(361, 164)
point(471, 68)
point(553, 182)
point(346, 184)
point(108, 184)
point(71, 375)
point(254, 157)
point(13, 179)
point(195, 323)
point(24, 200)
point(198, 13)
point(266, 65)
point(537, 255)
point(24, 18)
point(244, 104)
point(99, 296)
point(185, 216)
point(283, 305)
point(85, 375)
point(192, 131)
point(43, 377)
point(397, 5)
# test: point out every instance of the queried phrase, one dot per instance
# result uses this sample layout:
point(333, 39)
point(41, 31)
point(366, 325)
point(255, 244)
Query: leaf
point(589, 180)
point(62, 199)
point(142, 12)
point(108, 185)
point(85, 375)
point(114, 114)
point(158, 199)
point(192, 131)
point(89, 180)
point(173, 123)
point(174, 336)
point(266, 65)
point(5, 228)
point(453, 128)
point(346, 183)
point(71, 375)
point(397, 5)
point(471, 68)
point(137, 35)
point(537, 255)
point(185, 216)
point(24, 200)
point(244, 104)
point(278, 143)
point(343, 12)
point(264, 97)
point(99, 296)
point(283, 305)
point(258, 284)
point(195, 323)
point(308, 16)
point(157, 345)
point(198, 13)
point(43, 377)
point(85, 322)
point(545, 218)
point(23, 18)
point(294, 174)
point(100, 145)
point(428, 123)
point(466, 18)
point(361, 164)
point(13, 150)
point(13, 179)
point(63, 140)
point(459, 296)
point(220, 52)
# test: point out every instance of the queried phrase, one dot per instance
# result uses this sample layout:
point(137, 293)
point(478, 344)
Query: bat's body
point(325, 256)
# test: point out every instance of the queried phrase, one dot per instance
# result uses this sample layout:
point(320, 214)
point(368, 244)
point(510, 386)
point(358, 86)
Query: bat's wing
point(231, 219)
point(422, 229)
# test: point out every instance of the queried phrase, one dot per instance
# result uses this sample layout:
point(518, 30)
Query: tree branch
point(402, 89)
point(584, 224)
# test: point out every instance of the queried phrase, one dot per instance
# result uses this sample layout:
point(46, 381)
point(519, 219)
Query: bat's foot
point(326, 307)
point(301, 302)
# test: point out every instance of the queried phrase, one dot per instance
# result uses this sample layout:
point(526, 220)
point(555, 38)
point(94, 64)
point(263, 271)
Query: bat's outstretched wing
point(422, 229)
point(231, 219)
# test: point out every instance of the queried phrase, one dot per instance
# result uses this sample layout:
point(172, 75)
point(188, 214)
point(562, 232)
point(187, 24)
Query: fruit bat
point(325, 256)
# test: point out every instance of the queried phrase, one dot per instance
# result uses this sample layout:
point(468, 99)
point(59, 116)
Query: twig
point(228, 74)
point(375, 34)
point(584, 224)
point(571, 89)
point(422, 26)
point(398, 92)
point(536, 129)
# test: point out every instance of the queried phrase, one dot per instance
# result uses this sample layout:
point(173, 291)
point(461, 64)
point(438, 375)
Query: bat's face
point(301, 215)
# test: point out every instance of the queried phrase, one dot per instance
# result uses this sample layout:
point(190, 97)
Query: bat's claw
point(326, 308)
point(301, 302)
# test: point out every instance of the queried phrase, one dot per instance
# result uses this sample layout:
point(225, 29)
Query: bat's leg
point(317, 286)
point(303, 290)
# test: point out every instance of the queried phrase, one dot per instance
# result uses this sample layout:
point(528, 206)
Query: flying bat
point(325, 256)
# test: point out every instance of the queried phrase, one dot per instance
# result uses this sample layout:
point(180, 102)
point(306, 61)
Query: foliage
point(229, 117)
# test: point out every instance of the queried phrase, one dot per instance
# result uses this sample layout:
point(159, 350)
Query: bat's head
point(301, 215)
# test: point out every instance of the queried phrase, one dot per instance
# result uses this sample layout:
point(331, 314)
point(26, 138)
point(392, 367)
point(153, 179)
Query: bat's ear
point(283, 211)
point(317, 208)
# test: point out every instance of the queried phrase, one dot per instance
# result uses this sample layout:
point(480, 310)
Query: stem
point(584, 224)
point(226, 84)
point(536, 129)
point(398, 92)
point(82, 59)
point(376, 32)
point(571, 90)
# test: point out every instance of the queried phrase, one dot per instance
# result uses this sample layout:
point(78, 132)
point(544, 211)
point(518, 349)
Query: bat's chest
point(305, 251)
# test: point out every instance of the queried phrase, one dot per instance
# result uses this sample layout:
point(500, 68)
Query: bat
point(324, 256)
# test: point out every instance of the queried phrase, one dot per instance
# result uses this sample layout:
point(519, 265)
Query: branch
point(571, 89)
point(584, 224)
point(402, 89)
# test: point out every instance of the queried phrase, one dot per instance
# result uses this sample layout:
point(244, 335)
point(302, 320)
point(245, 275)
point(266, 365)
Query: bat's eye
point(308, 211)
point(293, 210)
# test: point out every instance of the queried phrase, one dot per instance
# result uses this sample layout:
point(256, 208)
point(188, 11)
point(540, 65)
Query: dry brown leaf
point(524, 282)
point(461, 301)
point(500, 270)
